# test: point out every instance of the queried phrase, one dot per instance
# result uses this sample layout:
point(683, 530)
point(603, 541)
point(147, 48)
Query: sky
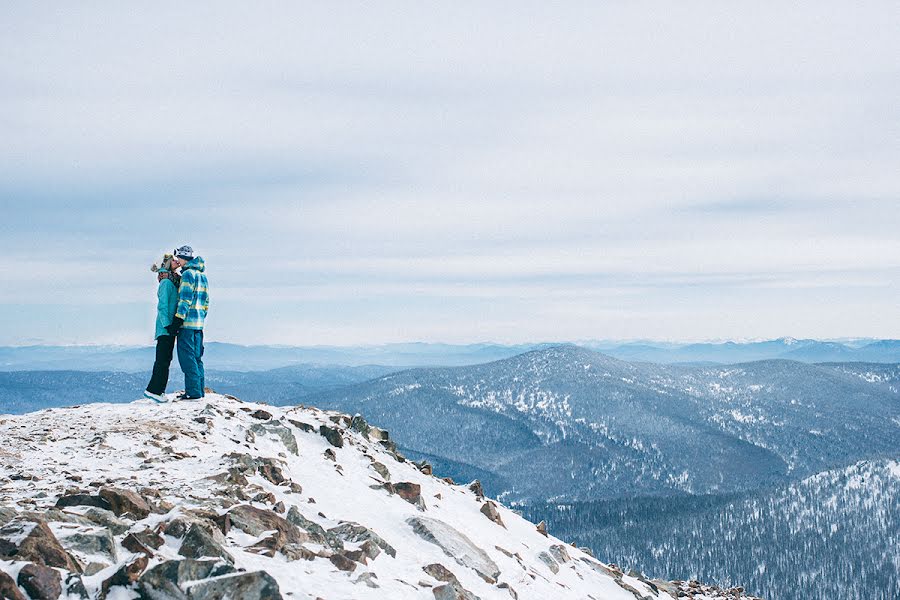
point(364, 173)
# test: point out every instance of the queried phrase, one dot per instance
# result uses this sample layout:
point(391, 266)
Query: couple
point(180, 313)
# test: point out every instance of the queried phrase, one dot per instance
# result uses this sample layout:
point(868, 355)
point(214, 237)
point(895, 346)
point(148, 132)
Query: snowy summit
point(220, 499)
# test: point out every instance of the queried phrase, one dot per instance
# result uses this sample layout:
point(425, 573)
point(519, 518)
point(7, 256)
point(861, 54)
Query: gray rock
point(199, 543)
point(87, 543)
point(548, 560)
point(257, 585)
point(7, 514)
point(333, 436)
point(82, 500)
point(453, 591)
point(74, 587)
point(166, 581)
point(559, 552)
point(455, 545)
point(316, 532)
point(279, 430)
point(106, 518)
point(358, 423)
point(256, 521)
point(354, 532)
point(382, 470)
point(40, 582)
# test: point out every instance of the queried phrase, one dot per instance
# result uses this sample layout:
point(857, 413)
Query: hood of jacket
point(196, 264)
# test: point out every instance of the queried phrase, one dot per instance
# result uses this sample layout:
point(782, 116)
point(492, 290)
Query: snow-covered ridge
point(220, 497)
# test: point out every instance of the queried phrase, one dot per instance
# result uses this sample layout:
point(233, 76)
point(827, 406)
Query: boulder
point(125, 575)
point(279, 430)
point(271, 473)
point(166, 580)
point(489, 509)
point(439, 572)
point(8, 588)
point(82, 500)
point(316, 532)
point(453, 591)
point(125, 502)
point(343, 562)
point(411, 492)
point(477, 489)
point(455, 545)
point(40, 582)
point(333, 436)
point(548, 560)
point(93, 546)
point(106, 518)
point(257, 585)
point(559, 552)
point(74, 586)
point(358, 423)
point(354, 532)
point(261, 414)
point(542, 528)
point(142, 542)
point(34, 541)
point(7, 514)
point(256, 521)
point(302, 426)
point(199, 543)
point(382, 470)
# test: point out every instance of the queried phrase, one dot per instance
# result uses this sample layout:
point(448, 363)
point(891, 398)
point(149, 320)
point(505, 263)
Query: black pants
point(165, 345)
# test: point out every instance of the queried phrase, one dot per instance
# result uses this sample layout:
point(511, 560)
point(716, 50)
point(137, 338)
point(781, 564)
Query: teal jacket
point(193, 295)
point(167, 295)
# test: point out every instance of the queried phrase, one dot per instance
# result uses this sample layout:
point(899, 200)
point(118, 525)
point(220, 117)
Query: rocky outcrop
point(33, 541)
point(455, 545)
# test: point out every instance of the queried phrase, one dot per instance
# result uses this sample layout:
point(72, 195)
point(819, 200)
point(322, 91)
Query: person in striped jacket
point(190, 316)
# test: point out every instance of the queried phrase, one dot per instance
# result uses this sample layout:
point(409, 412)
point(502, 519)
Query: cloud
point(505, 163)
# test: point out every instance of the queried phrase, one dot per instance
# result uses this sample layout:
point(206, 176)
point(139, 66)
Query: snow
point(171, 448)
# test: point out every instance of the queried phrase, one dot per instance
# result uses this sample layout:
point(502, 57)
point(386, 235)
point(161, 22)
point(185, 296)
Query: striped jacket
point(193, 295)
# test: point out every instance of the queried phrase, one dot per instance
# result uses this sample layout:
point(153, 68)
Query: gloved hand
point(173, 327)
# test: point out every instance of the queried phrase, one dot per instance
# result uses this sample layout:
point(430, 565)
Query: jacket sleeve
point(185, 295)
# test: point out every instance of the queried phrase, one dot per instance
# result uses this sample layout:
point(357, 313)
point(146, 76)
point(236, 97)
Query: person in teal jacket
point(167, 301)
point(190, 316)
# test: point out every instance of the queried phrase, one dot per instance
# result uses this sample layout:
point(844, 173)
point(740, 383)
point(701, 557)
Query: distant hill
point(567, 422)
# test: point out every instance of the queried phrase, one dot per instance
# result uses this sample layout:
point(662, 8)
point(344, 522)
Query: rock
point(257, 585)
point(354, 532)
point(411, 492)
point(256, 521)
point(88, 544)
point(508, 588)
point(548, 560)
point(279, 430)
point(489, 509)
point(40, 582)
point(542, 528)
point(74, 587)
point(476, 487)
point(82, 500)
point(296, 488)
point(358, 423)
point(379, 435)
point(142, 542)
point(298, 552)
point(106, 518)
point(125, 502)
point(368, 579)
point(330, 455)
point(316, 532)
point(7, 514)
point(439, 572)
point(126, 575)
point(453, 591)
point(34, 542)
point(261, 414)
point(165, 581)
point(279, 508)
point(559, 552)
point(342, 562)
point(302, 426)
point(271, 473)
point(332, 435)
point(382, 470)
point(8, 588)
point(199, 543)
point(455, 545)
